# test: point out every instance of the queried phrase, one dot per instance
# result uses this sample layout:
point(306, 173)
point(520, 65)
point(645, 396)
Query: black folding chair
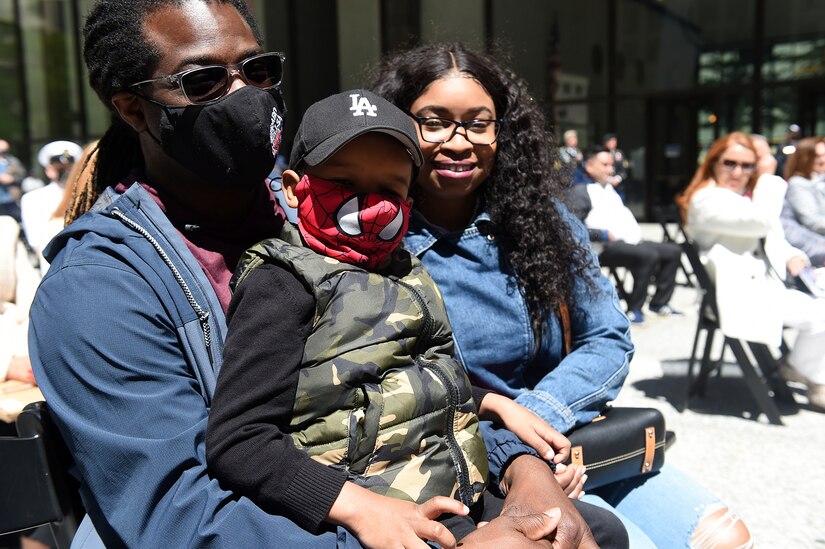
point(667, 216)
point(759, 384)
point(36, 487)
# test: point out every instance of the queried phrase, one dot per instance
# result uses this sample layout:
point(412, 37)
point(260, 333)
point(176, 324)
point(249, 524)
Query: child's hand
point(530, 428)
point(571, 478)
point(380, 521)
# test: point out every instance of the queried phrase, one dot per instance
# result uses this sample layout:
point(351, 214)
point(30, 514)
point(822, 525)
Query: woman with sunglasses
point(733, 216)
point(489, 225)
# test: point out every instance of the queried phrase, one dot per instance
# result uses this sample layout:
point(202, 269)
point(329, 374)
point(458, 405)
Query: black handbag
point(620, 444)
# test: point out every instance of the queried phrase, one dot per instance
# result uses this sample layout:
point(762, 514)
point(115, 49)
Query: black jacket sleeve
point(269, 317)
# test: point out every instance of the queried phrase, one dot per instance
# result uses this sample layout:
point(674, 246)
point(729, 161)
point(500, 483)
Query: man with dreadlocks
point(128, 326)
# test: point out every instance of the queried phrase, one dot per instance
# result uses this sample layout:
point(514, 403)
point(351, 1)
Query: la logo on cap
point(361, 106)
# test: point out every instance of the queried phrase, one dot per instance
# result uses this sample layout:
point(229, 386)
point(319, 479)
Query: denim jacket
point(493, 331)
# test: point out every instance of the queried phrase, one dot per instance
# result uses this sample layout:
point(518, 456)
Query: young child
point(339, 398)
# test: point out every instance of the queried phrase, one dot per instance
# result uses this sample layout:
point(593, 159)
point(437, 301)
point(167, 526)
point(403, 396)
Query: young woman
point(489, 226)
point(734, 218)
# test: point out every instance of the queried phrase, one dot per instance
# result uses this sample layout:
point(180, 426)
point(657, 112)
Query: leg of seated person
point(670, 257)
point(671, 508)
point(640, 261)
point(807, 315)
point(607, 528)
point(637, 538)
point(721, 528)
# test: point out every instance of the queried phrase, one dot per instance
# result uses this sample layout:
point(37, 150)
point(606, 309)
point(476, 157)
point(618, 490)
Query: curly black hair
point(523, 190)
point(117, 54)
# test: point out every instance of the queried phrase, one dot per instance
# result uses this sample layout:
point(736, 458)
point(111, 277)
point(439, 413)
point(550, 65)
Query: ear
point(289, 180)
point(130, 109)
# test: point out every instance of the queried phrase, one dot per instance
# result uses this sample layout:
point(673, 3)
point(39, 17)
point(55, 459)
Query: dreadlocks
point(117, 55)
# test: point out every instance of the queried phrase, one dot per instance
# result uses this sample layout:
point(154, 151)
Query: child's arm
point(269, 319)
point(380, 521)
point(530, 428)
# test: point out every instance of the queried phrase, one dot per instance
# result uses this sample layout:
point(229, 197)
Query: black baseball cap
point(333, 122)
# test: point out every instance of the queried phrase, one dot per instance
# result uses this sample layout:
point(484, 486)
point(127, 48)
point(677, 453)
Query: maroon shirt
point(218, 252)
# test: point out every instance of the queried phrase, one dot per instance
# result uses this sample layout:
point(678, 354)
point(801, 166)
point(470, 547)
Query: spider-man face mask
point(357, 228)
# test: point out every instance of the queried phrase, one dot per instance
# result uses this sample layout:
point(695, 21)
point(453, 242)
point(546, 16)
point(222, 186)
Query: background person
point(489, 226)
point(797, 235)
point(11, 176)
point(38, 206)
point(569, 155)
point(621, 241)
point(734, 218)
point(621, 165)
point(805, 173)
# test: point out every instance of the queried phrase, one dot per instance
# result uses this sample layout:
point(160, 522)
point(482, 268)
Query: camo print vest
point(379, 393)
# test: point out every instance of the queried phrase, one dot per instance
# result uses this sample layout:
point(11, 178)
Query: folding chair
point(759, 385)
point(666, 216)
point(36, 486)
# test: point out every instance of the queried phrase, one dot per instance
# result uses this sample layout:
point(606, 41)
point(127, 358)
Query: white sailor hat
point(61, 151)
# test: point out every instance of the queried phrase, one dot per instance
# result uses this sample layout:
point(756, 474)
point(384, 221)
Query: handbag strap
point(564, 318)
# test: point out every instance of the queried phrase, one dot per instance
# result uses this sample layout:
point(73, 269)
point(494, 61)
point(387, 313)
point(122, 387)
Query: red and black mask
point(357, 228)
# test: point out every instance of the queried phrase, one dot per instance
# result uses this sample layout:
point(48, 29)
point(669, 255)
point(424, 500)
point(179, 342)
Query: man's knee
point(607, 529)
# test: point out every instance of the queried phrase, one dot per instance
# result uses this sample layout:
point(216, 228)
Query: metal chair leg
point(757, 386)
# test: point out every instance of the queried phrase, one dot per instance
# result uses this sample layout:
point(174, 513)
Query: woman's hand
point(794, 266)
point(380, 521)
point(530, 428)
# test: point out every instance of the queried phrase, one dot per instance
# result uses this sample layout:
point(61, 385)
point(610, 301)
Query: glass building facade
point(666, 76)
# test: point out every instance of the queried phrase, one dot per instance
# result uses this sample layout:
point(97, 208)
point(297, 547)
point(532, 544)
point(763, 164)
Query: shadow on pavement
point(724, 395)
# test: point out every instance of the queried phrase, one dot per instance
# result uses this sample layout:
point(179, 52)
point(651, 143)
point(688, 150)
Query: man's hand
point(528, 531)
point(380, 521)
point(531, 487)
point(527, 426)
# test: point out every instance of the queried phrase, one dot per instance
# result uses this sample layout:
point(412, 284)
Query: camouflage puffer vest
point(379, 393)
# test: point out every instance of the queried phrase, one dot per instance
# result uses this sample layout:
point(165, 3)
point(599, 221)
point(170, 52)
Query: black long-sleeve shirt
point(248, 450)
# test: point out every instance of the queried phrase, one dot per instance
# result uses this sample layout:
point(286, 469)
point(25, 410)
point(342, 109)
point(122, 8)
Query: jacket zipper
point(203, 315)
point(465, 490)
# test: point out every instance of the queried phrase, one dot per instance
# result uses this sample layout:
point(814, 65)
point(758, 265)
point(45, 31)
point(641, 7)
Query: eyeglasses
point(441, 130)
point(730, 165)
point(212, 82)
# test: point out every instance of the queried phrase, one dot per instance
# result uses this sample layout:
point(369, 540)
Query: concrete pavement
point(772, 476)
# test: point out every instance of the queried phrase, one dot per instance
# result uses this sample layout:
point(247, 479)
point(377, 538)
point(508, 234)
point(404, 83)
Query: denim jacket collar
point(422, 235)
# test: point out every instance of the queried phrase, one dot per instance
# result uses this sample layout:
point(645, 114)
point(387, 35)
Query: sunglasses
point(212, 82)
point(730, 165)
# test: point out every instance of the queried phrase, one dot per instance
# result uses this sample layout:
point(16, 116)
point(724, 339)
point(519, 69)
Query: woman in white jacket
point(733, 216)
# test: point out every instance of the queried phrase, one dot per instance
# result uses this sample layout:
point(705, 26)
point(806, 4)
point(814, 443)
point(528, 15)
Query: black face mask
point(231, 142)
